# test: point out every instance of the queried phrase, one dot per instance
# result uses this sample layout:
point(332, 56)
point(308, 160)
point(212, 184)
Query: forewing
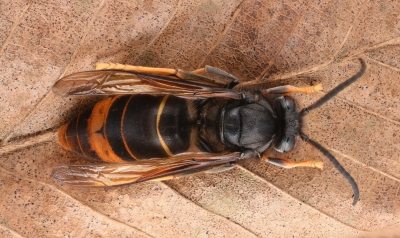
point(114, 82)
point(139, 171)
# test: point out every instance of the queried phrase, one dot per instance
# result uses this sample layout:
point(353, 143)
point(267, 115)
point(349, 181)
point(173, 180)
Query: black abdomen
point(127, 128)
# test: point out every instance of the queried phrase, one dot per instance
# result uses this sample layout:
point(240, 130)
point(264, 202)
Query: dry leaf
point(301, 42)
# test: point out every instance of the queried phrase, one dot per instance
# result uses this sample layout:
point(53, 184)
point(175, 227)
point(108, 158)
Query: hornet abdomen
point(131, 127)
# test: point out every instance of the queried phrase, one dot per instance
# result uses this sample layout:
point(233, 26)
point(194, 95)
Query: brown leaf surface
point(300, 42)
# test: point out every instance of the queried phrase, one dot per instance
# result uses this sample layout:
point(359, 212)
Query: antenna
point(319, 147)
point(336, 90)
point(337, 165)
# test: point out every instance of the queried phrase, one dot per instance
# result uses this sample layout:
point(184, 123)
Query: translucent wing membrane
point(139, 171)
point(114, 82)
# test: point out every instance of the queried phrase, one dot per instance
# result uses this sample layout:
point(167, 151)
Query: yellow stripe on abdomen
point(159, 113)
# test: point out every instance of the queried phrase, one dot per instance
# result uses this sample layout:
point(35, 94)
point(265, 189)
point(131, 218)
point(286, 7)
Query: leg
point(291, 89)
point(284, 163)
point(181, 74)
point(216, 169)
point(219, 72)
point(139, 69)
point(222, 168)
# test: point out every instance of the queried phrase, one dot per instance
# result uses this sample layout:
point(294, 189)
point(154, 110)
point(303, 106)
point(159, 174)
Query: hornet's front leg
point(288, 89)
point(288, 164)
point(284, 163)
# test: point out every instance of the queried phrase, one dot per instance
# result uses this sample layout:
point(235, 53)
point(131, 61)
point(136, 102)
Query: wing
point(139, 171)
point(112, 82)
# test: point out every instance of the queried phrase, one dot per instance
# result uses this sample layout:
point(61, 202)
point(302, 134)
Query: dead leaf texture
point(300, 42)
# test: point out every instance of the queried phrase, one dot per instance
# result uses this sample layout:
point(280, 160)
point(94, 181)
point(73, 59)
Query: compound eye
point(290, 104)
point(289, 143)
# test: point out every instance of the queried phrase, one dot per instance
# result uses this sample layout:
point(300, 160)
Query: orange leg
point(291, 89)
point(288, 164)
point(229, 78)
point(195, 75)
point(220, 169)
point(138, 69)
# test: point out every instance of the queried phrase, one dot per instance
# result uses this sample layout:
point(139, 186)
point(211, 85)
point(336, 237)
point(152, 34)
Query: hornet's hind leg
point(225, 79)
point(228, 78)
